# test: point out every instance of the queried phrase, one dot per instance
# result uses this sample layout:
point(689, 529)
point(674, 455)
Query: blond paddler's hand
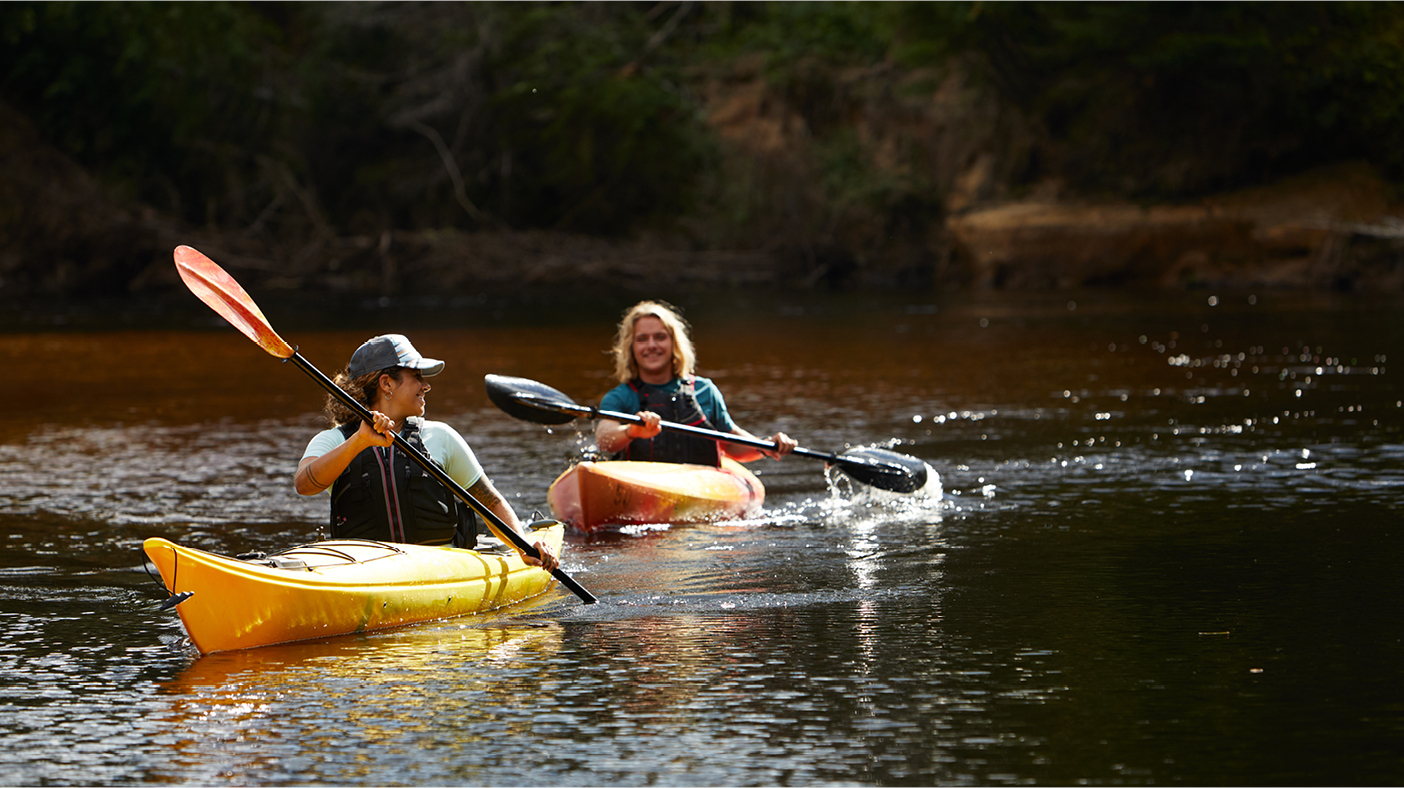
point(652, 425)
point(784, 444)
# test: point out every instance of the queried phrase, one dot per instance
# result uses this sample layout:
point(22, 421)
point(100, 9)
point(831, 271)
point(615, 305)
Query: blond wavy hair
point(684, 357)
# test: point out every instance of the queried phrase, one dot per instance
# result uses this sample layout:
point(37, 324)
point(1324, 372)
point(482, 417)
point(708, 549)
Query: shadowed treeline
point(383, 148)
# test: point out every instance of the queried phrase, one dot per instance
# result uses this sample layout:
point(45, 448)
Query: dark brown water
point(1166, 551)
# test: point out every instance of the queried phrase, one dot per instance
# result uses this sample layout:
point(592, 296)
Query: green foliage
point(151, 95)
point(1169, 99)
point(289, 120)
point(268, 115)
point(851, 180)
point(601, 140)
point(839, 33)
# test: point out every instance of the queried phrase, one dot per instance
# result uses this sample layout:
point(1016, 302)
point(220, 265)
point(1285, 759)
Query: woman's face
point(406, 395)
point(653, 350)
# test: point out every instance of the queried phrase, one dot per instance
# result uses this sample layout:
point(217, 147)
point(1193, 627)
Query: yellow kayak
point(338, 587)
point(594, 495)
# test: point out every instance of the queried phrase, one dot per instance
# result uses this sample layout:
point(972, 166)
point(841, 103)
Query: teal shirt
point(623, 399)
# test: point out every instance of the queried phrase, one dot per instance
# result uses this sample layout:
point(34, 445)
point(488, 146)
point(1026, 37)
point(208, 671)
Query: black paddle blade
point(535, 405)
point(884, 469)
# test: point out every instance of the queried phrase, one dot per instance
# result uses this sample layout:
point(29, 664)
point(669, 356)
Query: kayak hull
point(592, 496)
point(338, 587)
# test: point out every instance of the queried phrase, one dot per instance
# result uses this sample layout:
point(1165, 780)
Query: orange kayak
point(593, 495)
point(337, 588)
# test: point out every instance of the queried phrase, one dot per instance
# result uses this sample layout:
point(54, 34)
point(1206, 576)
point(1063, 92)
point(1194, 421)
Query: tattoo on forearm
point(486, 494)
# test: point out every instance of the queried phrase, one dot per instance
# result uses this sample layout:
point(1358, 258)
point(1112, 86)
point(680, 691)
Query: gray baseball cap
point(391, 350)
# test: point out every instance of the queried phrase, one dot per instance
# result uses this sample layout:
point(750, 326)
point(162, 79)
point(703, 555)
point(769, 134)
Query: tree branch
point(455, 175)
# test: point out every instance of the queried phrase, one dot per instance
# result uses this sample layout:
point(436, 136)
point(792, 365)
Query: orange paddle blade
point(220, 292)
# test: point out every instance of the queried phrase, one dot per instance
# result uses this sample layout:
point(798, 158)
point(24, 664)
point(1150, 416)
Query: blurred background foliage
point(1175, 99)
point(294, 122)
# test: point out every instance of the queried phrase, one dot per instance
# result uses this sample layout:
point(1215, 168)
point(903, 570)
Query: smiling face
point(653, 350)
point(400, 399)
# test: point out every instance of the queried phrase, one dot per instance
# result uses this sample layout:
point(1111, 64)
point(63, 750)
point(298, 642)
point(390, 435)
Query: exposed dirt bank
point(1332, 228)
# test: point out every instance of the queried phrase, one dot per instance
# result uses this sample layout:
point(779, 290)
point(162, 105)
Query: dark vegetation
point(356, 146)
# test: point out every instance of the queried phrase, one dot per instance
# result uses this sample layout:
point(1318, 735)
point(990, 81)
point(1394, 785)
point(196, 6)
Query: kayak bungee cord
point(172, 598)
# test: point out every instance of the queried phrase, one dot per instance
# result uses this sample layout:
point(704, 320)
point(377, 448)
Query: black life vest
point(385, 496)
point(681, 408)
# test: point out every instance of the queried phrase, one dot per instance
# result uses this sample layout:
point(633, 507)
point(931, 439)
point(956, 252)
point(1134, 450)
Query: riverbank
point(1332, 229)
point(1339, 228)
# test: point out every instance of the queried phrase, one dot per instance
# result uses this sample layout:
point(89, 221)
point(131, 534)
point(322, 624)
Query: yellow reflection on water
point(338, 696)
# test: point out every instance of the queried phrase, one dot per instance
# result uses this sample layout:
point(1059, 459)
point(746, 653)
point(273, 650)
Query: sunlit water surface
point(1165, 549)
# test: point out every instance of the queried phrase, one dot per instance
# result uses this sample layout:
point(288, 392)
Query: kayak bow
point(593, 495)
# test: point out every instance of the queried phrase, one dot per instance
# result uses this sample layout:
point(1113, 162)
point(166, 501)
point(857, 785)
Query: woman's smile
point(408, 396)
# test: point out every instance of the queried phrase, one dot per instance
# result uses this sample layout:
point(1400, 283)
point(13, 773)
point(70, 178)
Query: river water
point(1165, 550)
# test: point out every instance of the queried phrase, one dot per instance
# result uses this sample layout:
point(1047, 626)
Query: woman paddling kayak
point(377, 492)
point(654, 363)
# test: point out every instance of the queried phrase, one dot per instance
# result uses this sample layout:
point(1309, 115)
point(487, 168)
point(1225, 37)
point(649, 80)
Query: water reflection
point(757, 698)
point(242, 714)
point(156, 475)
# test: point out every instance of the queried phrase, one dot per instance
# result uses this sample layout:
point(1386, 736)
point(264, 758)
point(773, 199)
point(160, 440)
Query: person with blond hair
point(654, 363)
point(377, 491)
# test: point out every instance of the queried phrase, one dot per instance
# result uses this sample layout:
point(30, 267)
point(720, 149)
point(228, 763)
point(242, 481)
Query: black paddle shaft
point(498, 526)
point(538, 403)
point(897, 476)
point(729, 437)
